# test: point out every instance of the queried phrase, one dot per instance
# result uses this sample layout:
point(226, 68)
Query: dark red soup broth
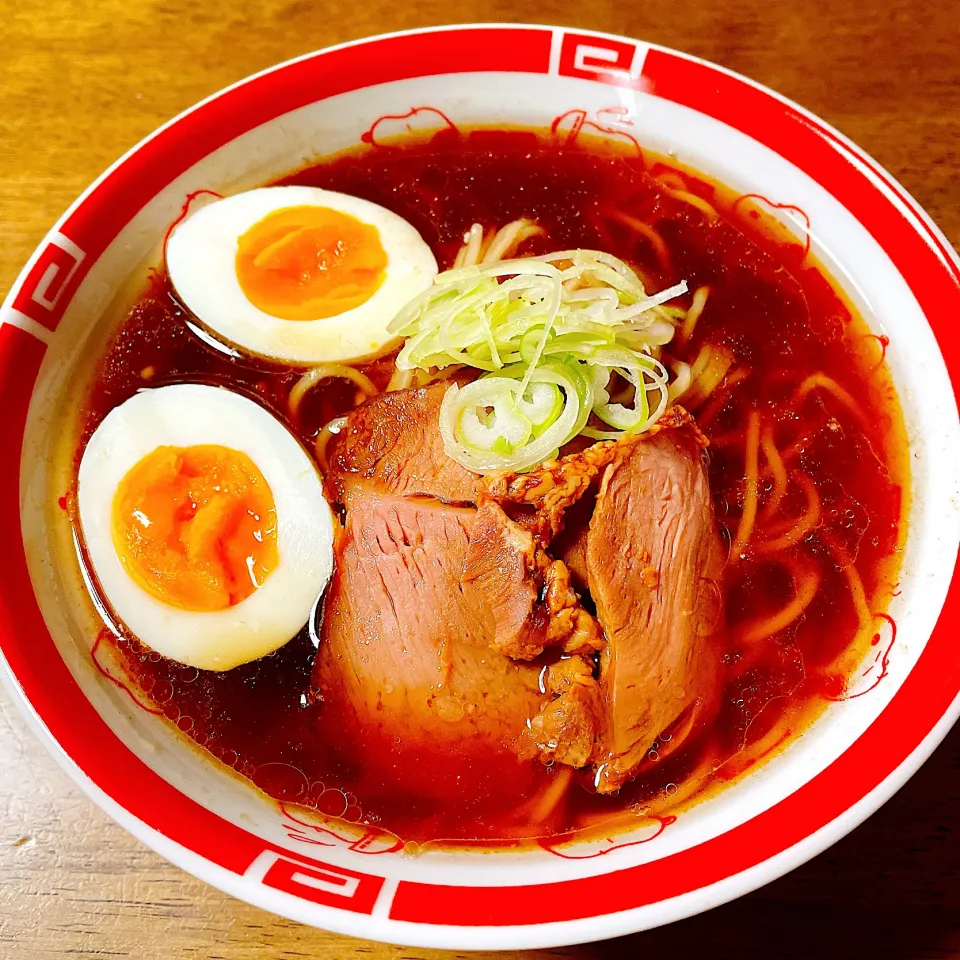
point(779, 320)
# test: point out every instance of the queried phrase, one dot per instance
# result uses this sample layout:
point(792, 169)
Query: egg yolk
point(196, 527)
point(309, 263)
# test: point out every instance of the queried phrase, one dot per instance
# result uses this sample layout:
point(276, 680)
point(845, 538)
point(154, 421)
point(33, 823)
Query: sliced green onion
point(530, 342)
point(502, 426)
point(523, 456)
point(616, 414)
point(485, 316)
point(547, 331)
point(541, 404)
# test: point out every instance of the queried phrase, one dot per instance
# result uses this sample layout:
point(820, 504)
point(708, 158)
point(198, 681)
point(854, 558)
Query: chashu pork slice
point(653, 558)
point(393, 443)
point(437, 608)
point(406, 661)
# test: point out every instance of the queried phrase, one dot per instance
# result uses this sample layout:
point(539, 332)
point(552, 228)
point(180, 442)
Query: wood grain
point(82, 82)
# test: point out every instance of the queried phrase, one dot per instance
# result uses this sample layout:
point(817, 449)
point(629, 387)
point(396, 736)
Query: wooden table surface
point(83, 81)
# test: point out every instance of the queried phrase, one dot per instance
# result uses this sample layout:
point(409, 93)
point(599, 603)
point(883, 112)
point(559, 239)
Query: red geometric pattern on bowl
point(50, 284)
point(317, 882)
point(185, 830)
point(605, 59)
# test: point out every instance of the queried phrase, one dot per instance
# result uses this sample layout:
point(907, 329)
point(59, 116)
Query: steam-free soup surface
point(777, 317)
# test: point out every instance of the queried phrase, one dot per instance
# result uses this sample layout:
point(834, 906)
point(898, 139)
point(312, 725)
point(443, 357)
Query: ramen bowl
point(894, 266)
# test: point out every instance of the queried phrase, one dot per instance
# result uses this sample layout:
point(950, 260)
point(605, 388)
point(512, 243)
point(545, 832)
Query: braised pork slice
point(433, 598)
point(544, 494)
point(393, 442)
point(552, 489)
point(405, 657)
point(445, 595)
point(528, 592)
point(570, 544)
point(653, 556)
point(569, 728)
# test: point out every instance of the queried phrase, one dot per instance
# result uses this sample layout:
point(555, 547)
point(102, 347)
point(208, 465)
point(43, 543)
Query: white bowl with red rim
point(878, 244)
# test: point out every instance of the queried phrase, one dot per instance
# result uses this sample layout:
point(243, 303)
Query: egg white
point(185, 415)
point(201, 260)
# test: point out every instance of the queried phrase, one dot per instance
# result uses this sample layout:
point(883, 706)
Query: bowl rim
point(778, 855)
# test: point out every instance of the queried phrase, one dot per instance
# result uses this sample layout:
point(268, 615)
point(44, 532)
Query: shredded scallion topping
point(559, 337)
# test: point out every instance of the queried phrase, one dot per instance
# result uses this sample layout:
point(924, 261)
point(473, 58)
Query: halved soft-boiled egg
point(205, 523)
point(299, 274)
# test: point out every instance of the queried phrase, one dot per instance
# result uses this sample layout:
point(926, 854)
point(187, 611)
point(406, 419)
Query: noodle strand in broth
point(316, 375)
point(806, 578)
point(793, 531)
point(749, 515)
point(778, 470)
